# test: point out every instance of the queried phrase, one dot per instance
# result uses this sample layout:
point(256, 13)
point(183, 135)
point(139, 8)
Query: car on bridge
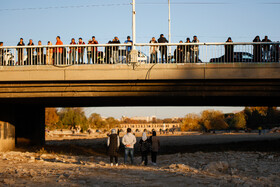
point(142, 57)
point(238, 57)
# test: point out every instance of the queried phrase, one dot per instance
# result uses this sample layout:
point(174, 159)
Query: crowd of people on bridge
point(185, 53)
point(146, 146)
point(261, 52)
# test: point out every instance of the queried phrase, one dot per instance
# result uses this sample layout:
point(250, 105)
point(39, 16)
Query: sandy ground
point(196, 168)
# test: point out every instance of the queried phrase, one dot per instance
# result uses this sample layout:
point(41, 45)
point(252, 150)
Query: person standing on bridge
point(30, 53)
point(49, 54)
point(40, 54)
point(73, 51)
point(115, 50)
point(178, 53)
point(266, 49)
point(20, 52)
point(195, 50)
point(1, 54)
point(81, 51)
point(128, 48)
point(153, 51)
point(187, 51)
point(163, 48)
point(113, 144)
point(94, 50)
point(128, 141)
point(89, 51)
point(58, 51)
point(229, 51)
point(257, 50)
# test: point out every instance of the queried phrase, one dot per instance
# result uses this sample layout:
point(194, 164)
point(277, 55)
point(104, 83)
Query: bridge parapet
point(148, 53)
point(105, 72)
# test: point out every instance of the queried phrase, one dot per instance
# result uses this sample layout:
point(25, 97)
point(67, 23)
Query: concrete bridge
point(25, 91)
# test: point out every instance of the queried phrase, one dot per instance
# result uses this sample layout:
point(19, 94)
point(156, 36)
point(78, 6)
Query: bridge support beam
point(29, 122)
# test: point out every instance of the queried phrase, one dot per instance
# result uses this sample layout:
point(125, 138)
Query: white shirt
point(129, 140)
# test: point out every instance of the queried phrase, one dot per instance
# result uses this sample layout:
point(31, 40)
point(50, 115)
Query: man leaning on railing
point(1, 54)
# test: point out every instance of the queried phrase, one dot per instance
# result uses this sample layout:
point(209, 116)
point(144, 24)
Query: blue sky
point(210, 20)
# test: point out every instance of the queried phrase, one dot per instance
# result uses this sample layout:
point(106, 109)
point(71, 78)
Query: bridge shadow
point(97, 147)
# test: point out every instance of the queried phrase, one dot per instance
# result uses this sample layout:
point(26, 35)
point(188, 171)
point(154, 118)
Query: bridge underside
point(143, 93)
point(26, 91)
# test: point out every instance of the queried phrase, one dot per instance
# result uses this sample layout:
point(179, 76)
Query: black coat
point(145, 146)
point(113, 148)
point(162, 40)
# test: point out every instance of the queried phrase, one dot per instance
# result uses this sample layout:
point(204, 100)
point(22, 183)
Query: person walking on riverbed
point(128, 141)
point(113, 144)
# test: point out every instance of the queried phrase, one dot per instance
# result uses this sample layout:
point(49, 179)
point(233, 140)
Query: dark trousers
point(154, 157)
point(144, 157)
point(116, 159)
point(164, 54)
point(58, 58)
point(30, 59)
point(80, 58)
point(153, 58)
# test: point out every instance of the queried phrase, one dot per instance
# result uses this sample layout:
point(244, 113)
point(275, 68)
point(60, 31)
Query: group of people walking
point(146, 145)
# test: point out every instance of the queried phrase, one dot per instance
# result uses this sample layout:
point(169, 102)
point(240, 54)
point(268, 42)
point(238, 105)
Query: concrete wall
point(143, 72)
point(7, 136)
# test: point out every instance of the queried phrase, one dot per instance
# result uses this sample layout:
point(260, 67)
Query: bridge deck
point(105, 72)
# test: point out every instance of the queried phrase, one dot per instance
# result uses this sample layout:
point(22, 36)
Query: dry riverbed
point(202, 160)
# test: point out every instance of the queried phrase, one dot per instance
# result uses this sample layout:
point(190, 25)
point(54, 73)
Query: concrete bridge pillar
point(7, 136)
point(28, 120)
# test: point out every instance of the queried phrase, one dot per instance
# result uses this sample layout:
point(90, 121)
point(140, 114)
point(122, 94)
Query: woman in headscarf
point(144, 148)
point(113, 144)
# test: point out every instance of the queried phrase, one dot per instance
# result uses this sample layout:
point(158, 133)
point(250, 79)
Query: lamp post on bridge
point(169, 27)
point(133, 24)
point(133, 55)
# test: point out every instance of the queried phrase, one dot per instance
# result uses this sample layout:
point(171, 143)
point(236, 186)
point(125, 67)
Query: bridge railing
point(147, 53)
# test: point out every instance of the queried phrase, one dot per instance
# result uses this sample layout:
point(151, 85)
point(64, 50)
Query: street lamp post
point(133, 24)
point(133, 55)
point(169, 27)
point(169, 22)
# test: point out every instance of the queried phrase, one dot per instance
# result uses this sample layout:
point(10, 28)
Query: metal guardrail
point(245, 52)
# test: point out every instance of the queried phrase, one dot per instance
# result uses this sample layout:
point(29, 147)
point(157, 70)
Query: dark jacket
point(229, 52)
point(257, 51)
point(155, 143)
point(30, 50)
point(115, 48)
point(145, 145)
point(113, 145)
point(162, 40)
point(266, 47)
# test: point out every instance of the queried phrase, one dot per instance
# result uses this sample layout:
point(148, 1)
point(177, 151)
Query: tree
point(213, 120)
point(191, 122)
point(240, 121)
point(95, 121)
point(74, 117)
point(51, 118)
point(112, 122)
